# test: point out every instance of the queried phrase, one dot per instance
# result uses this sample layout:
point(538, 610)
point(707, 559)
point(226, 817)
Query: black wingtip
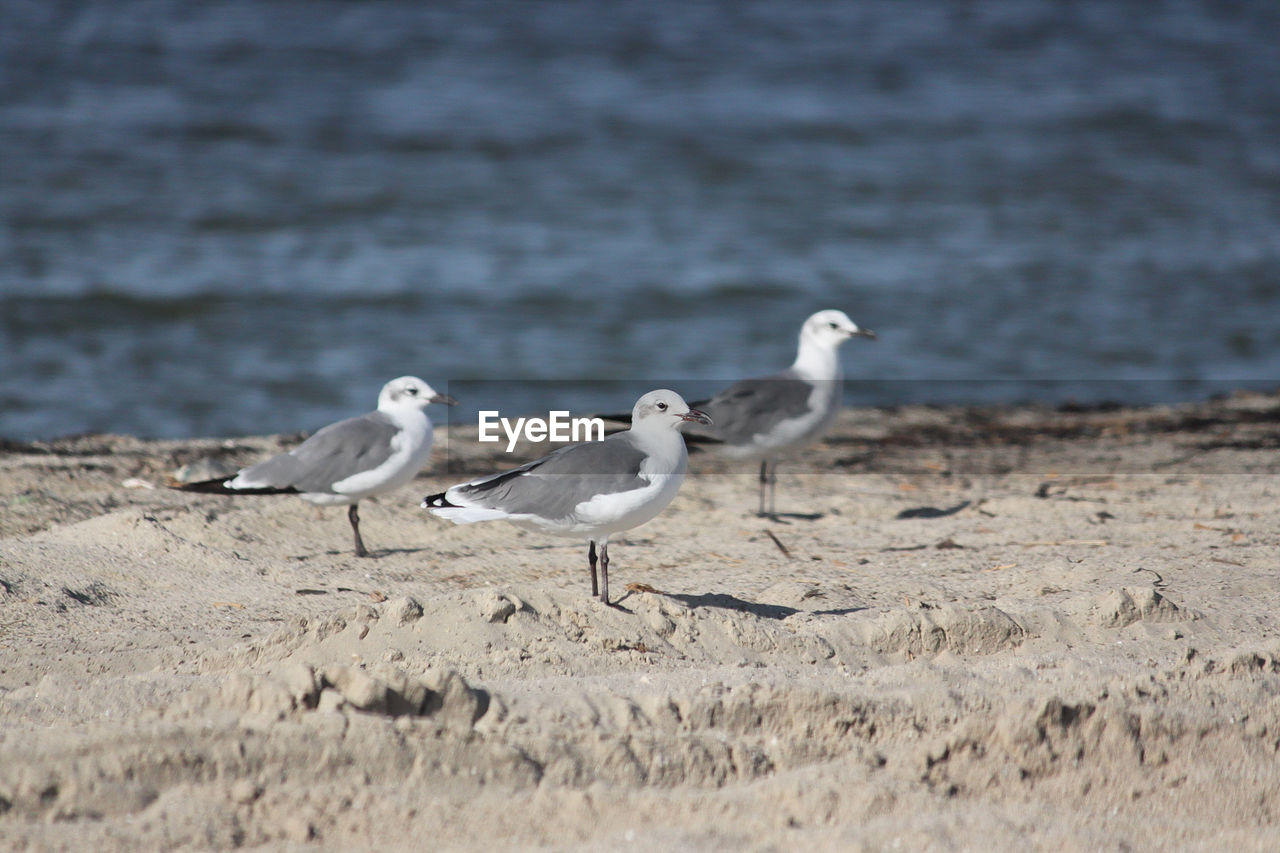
point(209, 487)
point(220, 487)
point(435, 500)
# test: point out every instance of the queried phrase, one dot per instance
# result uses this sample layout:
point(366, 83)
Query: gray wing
point(552, 486)
point(755, 406)
point(334, 453)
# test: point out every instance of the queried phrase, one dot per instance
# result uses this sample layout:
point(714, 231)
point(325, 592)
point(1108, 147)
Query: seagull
point(767, 416)
point(764, 417)
point(346, 462)
point(591, 490)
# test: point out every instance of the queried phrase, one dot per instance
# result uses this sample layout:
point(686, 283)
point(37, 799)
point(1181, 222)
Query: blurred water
point(243, 216)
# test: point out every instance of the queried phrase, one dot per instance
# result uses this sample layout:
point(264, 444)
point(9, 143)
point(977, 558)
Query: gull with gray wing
point(768, 416)
point(348, 461)
point(592, 490)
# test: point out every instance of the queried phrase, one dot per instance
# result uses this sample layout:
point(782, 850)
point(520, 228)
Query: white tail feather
point(468, 514)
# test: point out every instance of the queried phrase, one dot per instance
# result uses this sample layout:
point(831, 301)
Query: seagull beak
point(697, 416)
point(862, 333)
point(443, 398)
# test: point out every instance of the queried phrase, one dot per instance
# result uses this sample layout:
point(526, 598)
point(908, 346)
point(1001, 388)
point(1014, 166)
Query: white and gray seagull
point(348, 461)
point(765, 417)
point(591, 490)
point(768, 416)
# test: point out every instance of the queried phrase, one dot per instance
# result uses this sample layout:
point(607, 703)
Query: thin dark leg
point(768, 480)
point(591, 560)
point(764, 479)
point(353, 515)
point(604, 572)
point(773, 487)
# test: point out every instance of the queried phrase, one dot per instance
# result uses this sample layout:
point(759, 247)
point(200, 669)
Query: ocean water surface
point(244, 216)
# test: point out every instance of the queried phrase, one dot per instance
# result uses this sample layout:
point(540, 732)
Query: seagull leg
point(764, 478)
point(769, 480)
point(591, 561)
point(773, 489)
point(353, 515)
point(604, 572)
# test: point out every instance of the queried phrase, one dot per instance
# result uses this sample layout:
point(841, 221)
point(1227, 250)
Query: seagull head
point(413, 392)
point(831, 328)
point(665, 408)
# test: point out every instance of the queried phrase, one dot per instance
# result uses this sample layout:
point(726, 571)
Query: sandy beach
point(976, 628)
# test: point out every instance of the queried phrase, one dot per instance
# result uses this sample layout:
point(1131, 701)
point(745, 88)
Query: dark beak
point(863, 333)
point(443, 398)
point(697, 416)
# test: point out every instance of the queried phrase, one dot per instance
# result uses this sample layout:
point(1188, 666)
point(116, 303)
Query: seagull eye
point(411, 391)
point(662, 407)
point(833, 325)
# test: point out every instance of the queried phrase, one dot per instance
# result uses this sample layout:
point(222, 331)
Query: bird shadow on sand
point(932, 511)
point(387, 552)
point(374, 554)
point(788, 517)
point(725, 601)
